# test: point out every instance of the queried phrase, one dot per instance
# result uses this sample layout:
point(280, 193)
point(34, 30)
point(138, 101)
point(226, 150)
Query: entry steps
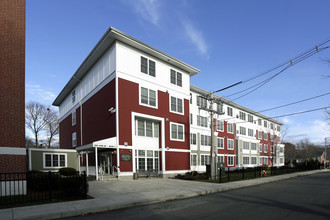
point(107, 177)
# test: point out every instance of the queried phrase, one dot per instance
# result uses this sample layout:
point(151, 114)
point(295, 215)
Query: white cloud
point(195, 36)
point(36, 93)
point(286, 120)
point(148, 9)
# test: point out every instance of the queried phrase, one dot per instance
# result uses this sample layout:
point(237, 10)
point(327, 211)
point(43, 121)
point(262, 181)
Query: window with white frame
point(177, 132)
point(201, 121)
point(281, 150)
point(253, 146)
point(74, 139)
point(260, 135)
point(246, 160)
point(74, 117)
point(205, 140)
point(281, 160)
point(146, 160)
point(259, 121)
point(55, 160)
point(220, 159)
point(148, 67)
point(201, 102)
point(221, 143)
point(146, 128)
point(219, 108)
point(246, 145)
point(73, 96)
point(265, 124)
point(190, 98)
point(220, 125)
point(230, 128)
point(230, 144)
point(260, 147)
point(265, 148)
point(229, 111)
point(242, 130)
point(278, 128)
point(176, 78)
point(254, 160)
point(193, 160)
point(250, 132)
point(242, 116)
point(205, 160)
point(250, 118)
point(148, 97)
point(271, 126)
point(176, 105)
point(192, 138)
point(265, 136)
point(230, 161)
point(191, 118)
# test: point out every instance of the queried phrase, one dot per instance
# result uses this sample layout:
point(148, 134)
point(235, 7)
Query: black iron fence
point(40, 187)
point(229, 174)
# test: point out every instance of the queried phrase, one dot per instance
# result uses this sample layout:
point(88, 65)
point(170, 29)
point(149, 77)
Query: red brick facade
point(12, 83)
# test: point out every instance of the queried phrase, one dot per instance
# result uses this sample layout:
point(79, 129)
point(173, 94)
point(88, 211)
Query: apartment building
point(130, 107)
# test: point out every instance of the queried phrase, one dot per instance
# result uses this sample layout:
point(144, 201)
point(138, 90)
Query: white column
point(87, 169)
point(96, 166)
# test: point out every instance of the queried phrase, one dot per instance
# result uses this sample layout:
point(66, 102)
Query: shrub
point(67, 171)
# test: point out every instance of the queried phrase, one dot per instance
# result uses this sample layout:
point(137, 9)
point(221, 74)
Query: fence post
point(85, 185)
point(50, 185)
point(243, 173)
point(228, 175)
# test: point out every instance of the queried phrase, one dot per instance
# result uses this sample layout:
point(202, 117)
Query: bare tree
point(52, 126)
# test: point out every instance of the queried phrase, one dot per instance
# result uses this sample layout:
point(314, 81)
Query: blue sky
point(228, 41)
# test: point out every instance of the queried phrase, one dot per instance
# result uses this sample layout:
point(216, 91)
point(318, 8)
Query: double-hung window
point(250, 132)
point(201, 121)
point(230, 144)
point(74, 117)
point(74, 139)
point(242, 115)
point(201, 102)
point(246, 160)
point(230, 161)
point(246, 145)
point(73, 96)
point(148, 67)
point(230, 128)
point(265, 136)
point(250, 118)
point(176, 78)
point(192, 138)
point(242, 130)
point(147, 128)
point(148, 97)
point(220, 125)
point(193, 160)
point(54, 160)
point(260, 135)
point(176, 105)
point(229, 111)
point(177, 132)
point(221, 143)
point(266, 148)
point(253, 146)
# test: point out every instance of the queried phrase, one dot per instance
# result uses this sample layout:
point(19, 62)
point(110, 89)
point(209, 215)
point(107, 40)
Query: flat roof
point(110, 36)
point(226, 101)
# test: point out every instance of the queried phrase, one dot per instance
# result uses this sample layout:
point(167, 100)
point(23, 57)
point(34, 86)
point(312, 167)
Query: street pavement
point(118, 194)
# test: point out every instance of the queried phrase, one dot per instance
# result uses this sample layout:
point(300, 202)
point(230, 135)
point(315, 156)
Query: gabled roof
point(230, 103)
point(110, 36)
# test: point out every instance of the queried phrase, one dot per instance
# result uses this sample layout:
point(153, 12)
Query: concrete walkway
point(117, 194)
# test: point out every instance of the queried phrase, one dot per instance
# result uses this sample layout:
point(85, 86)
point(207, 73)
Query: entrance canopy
point(105, 143)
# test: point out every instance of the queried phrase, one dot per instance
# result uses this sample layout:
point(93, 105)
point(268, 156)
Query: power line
point(297, 113)
point(292, 103)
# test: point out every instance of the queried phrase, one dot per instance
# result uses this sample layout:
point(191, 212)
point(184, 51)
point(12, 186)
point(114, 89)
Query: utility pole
point(210, 97)
point(325, 151)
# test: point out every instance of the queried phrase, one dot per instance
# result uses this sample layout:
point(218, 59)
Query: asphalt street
point(305, 197)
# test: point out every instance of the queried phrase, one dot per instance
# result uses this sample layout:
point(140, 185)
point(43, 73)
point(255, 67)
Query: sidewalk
point(117, 194)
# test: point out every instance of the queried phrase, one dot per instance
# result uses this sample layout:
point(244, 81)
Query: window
point(271, 126)
point(265, 124)
point(265, 136)
point(148, 97)
point(230, 111)
point(193, 160)
point(191, 118)
point(146, 160)
point(176, 105)
point(259, 121)
point(54, 160)
point(220, 159)
point(230, 128)
point(205, 140)
point(202, 121)
point(250, 132)
point(74, 139)
point(219, 108)
point(73, 96)
point(246, 145)
point(230, 161)
point(205, 159)
point(246, 160)
point(281, 150)
point(253, 160)
point(278, 128)
point(221, 143)
point(259, 135)
point(266, 148)
point(177, 131)
point(281, 160)
point(278, 139)
point(176, 78)
point(193, 139)
point(220, 125)
point(242, 116)
point(148, 67)
point(242, 130)
point(201, 102)
point(253, 146)
point(250, 118)
point(190, 98)
point(146, 128)
point(230, 144)
point(74, 117)
point(260, 147)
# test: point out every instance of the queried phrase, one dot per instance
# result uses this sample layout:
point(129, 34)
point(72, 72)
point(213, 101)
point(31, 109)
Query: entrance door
point(106, 163)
